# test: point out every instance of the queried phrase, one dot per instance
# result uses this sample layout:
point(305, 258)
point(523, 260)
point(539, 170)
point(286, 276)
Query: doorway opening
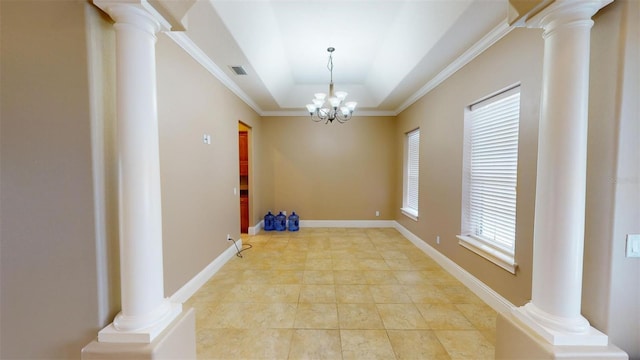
point(244, 144)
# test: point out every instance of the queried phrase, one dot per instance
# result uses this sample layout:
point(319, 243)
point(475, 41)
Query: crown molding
point(304, 113)
point(184, 41)
point(497, 33)
point(560, 13)
point(478, 48)
point(126, 10)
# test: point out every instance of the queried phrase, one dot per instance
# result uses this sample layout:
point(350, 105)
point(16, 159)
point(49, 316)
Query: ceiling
point(388, 52)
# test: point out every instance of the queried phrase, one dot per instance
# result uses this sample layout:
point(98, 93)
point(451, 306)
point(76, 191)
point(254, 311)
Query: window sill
point(410, 213)
point(497, 257)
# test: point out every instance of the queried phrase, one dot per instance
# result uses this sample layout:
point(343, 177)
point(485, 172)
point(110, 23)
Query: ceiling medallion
point(336, 108)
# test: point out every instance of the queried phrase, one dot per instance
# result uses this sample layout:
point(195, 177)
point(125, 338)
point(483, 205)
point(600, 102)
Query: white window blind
point(412, 168)
point(492, 169)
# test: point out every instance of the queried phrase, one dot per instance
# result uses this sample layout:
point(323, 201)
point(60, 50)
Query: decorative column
point(554, 310)
point(145, 311)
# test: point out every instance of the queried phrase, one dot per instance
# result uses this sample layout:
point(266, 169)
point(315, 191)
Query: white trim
point(165, 25)
point(410, 213)
point(348, 223)
point(497, 33)
point(411, 174)
point(488, 295)
point(500, 258)
point(185, 292)
point(146, 335)
point(149, 11)
point(304, 113)
point(471, 53)
point(185, 42)
point(536, 320)
point(497, 96)
point(484, 292)
point(253, 230)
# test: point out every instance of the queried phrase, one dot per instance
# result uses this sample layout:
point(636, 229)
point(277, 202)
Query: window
point(411, 170)
point(490, 178)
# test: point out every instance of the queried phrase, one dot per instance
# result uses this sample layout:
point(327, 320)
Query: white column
point(558, 242)
point(145, 311)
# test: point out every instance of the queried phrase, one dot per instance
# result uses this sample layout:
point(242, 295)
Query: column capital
point(135, 12)
point(566, 13)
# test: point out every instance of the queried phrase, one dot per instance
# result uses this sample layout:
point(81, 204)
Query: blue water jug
point(269, 221)
point(294, 222)
point(281, 222)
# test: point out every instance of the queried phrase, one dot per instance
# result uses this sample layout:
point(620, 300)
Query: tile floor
point(339, 294)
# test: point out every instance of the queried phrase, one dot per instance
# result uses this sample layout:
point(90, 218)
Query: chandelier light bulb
point(339, 110)
point(341, 95)
point(351, 105)
point(318, 103)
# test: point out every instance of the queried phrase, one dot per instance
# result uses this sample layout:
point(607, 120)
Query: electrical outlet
point(438, 239)
point(377, 213)
point(229, 237)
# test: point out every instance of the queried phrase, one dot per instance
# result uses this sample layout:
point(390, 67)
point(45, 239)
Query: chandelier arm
point(319, 117)
point(343, 118)
point(316, 116)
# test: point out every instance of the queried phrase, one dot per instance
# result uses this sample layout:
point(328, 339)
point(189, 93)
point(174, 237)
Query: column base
point(516, 340)
point(588, 335)
point(146, 335)
point(177, 341)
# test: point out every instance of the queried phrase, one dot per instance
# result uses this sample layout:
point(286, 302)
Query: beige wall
point(203, 22)
point(49, 298)
point(333, 171)
point(611, 295)
point(50, 303)
point(57, 87)
point(611, 290)
point(440, 115)
point(199, 207)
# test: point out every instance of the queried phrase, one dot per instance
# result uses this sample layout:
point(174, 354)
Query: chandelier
point(336, 108)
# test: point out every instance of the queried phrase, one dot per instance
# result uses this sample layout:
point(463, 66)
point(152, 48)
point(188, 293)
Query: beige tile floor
point(339, 294)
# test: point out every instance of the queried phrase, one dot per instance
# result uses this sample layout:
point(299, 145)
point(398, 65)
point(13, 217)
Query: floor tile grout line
point(335, 284)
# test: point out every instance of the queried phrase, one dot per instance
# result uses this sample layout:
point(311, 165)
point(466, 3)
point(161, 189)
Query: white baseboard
point(256, 229)
point(484, 292)
point(488, 295)
point(184, 293)
point(348, 223)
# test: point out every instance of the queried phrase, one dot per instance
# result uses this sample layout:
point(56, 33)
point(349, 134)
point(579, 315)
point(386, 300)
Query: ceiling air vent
point(239, 70)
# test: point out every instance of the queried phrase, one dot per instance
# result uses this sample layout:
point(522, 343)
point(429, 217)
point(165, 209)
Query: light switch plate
point(633, 245)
